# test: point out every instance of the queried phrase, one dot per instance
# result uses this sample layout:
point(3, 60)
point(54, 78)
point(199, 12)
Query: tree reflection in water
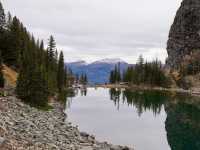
point(183, 126)
point(183, 116)
point(141, 100)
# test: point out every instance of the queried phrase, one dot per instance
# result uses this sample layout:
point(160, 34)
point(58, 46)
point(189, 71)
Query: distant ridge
point(98, 71)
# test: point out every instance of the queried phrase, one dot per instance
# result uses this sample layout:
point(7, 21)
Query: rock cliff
point(184, 36)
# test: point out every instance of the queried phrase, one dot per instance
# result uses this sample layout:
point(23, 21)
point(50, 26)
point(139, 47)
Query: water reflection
point(142, 100)
point(83, 91)
point(183, 126)
point(183, 120)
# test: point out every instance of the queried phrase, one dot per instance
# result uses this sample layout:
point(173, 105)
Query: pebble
point(24, 127)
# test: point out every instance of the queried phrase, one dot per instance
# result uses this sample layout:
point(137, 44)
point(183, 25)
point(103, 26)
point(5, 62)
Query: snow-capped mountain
point(98, 71)
point(109, 61)
point(78, 63)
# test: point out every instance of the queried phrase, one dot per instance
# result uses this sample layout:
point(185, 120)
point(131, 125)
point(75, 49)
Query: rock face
point(184, 36)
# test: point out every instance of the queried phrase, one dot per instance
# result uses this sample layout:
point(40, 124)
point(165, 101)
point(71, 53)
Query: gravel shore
point(26, 128)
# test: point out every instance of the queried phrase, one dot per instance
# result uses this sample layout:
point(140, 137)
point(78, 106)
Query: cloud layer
point(95, 29)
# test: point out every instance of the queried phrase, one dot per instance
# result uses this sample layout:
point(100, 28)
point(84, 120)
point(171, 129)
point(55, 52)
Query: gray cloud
point(94, 29)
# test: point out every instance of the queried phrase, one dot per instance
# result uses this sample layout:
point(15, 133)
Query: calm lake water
point(142, 119)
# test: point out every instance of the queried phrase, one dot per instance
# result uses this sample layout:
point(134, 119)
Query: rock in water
point(184, 36)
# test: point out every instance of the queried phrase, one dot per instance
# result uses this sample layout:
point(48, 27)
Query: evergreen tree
point(85, 79)
point(112, 80)
point(2, 17)
point(40, 73)
point(118, 73)
point(31, 83)
point(9, 20)
point(51, 49)
point(32, 87)
point(65, 77)
point(61, 72)
point(12, 53)
point(115, 75)
point(52, 65)
point(1, 74)
point(149, 73)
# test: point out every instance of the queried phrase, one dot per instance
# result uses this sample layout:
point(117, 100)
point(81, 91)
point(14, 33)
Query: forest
point(142, 73)
point(41, 69)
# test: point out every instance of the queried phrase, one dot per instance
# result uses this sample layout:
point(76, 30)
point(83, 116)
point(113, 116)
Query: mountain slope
point(98, 72)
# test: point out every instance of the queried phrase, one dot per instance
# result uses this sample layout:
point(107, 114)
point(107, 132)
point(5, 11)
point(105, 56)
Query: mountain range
point(98, 72)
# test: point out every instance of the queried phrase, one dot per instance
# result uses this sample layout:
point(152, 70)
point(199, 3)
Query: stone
point(84, 134)
point(25, 127)
point(184, 36)
point(1, 140)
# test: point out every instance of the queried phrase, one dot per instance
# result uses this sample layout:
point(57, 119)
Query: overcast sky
point(94, 29)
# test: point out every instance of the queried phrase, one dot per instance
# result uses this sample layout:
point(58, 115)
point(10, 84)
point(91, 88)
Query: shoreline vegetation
point(192, 92)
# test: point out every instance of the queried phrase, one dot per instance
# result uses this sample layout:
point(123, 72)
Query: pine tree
point(51, 49)
point(65, 77)
point(31, 84)
point(9, 20)
point(118, 72)
point(38, 89)
point(111, 77)
point(85, 79)
point(2, 17)
point(1, 74)
point(61, 72)
point(52, 65)
point(40, 76)
point(149, 73)
point(115, 74)
point(12, 53)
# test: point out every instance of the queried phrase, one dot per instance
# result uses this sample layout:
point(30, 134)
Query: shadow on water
point(183, 114)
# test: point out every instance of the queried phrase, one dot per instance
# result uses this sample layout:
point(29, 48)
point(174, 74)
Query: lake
point(141, 119)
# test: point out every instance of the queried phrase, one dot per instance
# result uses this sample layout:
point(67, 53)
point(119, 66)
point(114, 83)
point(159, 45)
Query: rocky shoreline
point(26, 128)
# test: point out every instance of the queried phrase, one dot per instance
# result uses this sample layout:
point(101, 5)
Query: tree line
point(83, 79)
point(146, 73)
point(115, 75)
point(42, 71)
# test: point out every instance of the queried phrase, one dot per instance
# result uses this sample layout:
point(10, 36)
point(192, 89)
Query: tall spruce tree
point(115, 75)
point(52, 65)
point(2, 31)
point(9, 20)
point(12, 53)
point(119, 72)
point(61, 72)
point(51, 49)
point(1, 74)
point(2, 17)
point(112, 80)
point(85, 79)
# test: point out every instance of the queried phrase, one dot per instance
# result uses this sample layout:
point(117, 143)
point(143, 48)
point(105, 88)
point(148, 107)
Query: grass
point(10, 76)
